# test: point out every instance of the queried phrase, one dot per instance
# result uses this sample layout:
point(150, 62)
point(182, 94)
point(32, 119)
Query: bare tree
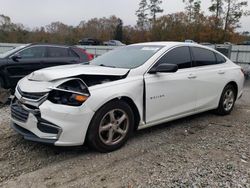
point(217, 9)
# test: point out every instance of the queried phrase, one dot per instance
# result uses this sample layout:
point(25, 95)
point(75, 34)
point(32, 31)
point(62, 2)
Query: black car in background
point(23, 60)
point(90, 41)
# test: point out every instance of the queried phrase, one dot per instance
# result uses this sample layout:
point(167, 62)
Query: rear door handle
point(221, 72)
point(192, 76)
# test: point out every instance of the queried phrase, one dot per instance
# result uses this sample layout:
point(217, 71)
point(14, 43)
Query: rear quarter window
point(81, 53)
point(72, 53)
point(220, 58)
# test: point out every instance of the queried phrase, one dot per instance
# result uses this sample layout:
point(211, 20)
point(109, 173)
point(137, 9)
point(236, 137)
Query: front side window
point(12, 51)
point(203, 57)
point(56, 52)
point(33, 52)
point(179, 56)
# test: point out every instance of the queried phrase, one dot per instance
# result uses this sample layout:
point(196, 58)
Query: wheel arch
point(137, 117)
point(235, 85)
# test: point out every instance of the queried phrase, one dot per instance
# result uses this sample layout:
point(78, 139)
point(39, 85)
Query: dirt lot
point(200, 151)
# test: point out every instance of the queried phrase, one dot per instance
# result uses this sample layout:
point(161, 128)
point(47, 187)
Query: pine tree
point(142, 15)
point(119, 31)
point(193, 9)
point(155, 8)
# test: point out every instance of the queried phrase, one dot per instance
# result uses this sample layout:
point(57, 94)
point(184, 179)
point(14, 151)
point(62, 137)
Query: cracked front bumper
point(51, 123)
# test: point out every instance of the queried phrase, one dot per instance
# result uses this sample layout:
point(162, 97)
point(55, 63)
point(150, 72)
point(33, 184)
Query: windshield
point(128, 57)
point(6, 54)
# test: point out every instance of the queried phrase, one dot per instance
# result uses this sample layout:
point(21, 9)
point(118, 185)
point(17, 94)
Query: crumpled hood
point(66, 71)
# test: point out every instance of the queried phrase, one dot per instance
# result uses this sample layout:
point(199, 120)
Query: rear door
point(29, 61)
point(171, 94)
point(210, 79)
point(60, 56)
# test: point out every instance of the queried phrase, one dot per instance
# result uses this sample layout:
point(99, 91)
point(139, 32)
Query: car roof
point(168, 45)
point(165, 43)
point(50, 44)
point(173, 44)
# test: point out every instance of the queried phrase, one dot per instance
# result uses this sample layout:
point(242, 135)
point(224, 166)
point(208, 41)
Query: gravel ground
point(204, 150)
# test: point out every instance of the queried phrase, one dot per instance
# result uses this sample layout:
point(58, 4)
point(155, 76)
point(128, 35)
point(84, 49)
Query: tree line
point(219, 26)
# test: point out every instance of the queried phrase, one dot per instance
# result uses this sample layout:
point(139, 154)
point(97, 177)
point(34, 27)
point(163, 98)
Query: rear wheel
point(111, 126)
point(227, 100)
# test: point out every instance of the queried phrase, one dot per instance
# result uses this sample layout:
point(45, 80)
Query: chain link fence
point(239, 54)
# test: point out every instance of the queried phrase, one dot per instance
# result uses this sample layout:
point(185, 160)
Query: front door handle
point(192, 76)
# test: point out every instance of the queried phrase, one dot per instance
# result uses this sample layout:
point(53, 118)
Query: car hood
point(66, 71)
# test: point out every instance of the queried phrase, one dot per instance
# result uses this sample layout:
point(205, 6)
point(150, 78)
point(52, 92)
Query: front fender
point(132, 90)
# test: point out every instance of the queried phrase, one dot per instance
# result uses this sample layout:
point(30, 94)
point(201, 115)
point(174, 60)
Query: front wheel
point(227, 100)
point(111, 126)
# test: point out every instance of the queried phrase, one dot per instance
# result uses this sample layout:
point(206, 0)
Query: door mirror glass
point(16, 57)
point(164, 68)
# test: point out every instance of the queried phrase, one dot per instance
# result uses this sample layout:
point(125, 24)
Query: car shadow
point(182, 124)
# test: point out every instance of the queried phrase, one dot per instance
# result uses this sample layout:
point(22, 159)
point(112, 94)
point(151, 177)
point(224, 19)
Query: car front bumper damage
point(50, 123)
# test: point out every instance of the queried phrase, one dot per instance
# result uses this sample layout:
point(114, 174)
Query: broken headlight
point(72, 93)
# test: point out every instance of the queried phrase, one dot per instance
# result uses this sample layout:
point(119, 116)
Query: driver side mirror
point(16, 57)
point(164, 68)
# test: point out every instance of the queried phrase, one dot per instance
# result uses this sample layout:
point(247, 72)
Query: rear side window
point(81, 52)
point(179, 56)
point(220, 59)
point(58, 52)
point(203, 57)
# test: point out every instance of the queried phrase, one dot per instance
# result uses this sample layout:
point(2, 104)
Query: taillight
point(90, 56)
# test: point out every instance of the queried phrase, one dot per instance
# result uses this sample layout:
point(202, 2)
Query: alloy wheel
point(114, 127)
point(228, 101)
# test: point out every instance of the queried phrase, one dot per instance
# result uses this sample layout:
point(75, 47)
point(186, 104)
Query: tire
point(111, 127)
point(227, 100)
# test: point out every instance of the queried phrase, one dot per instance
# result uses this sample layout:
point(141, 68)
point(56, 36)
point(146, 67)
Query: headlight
point(72, 93)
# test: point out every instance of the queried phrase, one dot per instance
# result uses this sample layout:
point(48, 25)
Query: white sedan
point(130, 88)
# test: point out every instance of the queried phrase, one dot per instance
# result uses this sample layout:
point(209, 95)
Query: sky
point(36, 13)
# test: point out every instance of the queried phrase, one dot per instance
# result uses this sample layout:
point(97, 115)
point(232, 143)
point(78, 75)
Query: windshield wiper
point(102, 65)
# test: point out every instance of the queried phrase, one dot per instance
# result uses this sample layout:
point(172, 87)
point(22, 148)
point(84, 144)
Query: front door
point(171, 94)
point(29, 60)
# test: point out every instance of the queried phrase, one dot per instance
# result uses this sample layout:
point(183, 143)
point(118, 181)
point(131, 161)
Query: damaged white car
point(130, 88)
